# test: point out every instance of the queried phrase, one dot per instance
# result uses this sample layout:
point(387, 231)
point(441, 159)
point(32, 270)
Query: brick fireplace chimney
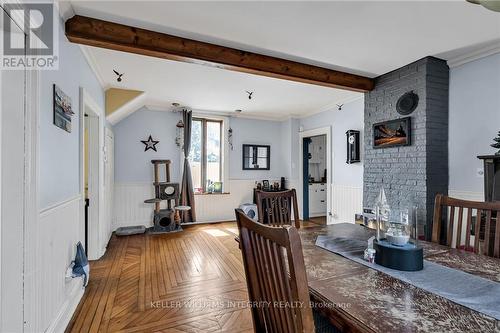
point(411, 175)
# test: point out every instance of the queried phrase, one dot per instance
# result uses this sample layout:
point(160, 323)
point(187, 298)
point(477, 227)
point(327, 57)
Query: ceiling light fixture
point(237, 111)
point(493, 5)
point(119, 76)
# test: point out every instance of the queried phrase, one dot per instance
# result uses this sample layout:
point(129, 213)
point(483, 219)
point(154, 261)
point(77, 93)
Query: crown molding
point(208, 113)
point(474, 55)
point(89, 56)
point(65, 9)
point(329, 107)
point(262, 116)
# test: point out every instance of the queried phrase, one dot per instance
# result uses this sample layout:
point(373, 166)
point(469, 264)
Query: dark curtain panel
point(187, 195)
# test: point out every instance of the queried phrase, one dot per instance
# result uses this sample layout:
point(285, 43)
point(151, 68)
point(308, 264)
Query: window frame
point(204, 161)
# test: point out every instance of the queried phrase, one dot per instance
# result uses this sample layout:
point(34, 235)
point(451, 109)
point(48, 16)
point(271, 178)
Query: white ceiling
point(213, 90)
point(363, 37)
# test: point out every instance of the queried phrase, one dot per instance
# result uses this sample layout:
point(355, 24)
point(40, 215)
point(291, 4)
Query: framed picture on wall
point(392, 133)
point(256, 157)
point(62, 109)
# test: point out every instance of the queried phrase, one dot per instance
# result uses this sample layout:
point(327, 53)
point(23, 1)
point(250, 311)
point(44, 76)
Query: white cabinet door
point(317, 199)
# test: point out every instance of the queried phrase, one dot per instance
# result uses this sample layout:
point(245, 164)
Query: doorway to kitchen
point(315, 173)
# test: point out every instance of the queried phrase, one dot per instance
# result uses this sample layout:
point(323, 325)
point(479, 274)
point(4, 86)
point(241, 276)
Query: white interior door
point(12, 152)
point(109, 179)
point(94, 226)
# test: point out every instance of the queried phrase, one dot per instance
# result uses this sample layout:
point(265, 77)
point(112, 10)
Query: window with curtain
point(205, 157)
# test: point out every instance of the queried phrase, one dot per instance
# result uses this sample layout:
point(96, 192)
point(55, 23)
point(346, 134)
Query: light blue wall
point(132, 163)
point(289, 138)
point(59, 150)
point(350, 117)
point(248, 131)
point(474, 120)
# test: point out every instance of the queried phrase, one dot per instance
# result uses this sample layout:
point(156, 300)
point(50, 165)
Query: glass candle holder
point(397, 228)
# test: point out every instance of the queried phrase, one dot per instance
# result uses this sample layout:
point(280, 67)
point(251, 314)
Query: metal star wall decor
point(150, 144)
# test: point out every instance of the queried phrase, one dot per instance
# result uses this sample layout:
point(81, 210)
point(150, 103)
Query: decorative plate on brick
point(407, 103)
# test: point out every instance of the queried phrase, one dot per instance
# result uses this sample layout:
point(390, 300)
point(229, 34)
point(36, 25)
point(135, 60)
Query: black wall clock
point(150, 144)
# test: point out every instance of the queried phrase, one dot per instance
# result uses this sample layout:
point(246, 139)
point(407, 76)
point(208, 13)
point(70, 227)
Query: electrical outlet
point(479, 172)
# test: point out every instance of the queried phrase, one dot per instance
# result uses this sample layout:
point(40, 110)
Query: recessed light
point(175, 104)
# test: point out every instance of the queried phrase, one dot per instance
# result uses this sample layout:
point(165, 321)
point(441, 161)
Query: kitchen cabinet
point(317, 199)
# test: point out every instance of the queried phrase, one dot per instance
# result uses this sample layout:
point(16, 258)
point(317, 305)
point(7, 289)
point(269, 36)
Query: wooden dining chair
point(479, 232)
point(276, 277)
point(275, 208)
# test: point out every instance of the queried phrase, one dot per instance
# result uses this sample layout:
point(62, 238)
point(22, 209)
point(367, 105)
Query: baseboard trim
point(67, 309)
point(206, 222)
point(318, 214)
point(145, 223)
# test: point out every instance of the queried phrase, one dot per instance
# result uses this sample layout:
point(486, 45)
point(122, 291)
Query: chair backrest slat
point(276, 277)
point(449, 238)
point(459, 226)
point(496, 252)
point(477, 230)
point(487, 231)
point(275, 208)
point(467, 228)
point(481, 218)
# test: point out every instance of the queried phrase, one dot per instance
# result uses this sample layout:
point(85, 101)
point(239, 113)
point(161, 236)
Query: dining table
point(357, 298)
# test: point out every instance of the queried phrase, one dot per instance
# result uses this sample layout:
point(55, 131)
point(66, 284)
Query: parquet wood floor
point(191, 281)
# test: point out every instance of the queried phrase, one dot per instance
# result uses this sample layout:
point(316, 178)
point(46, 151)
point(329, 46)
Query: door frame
point(329, 167)
point(109, 180)
point(97, 241)
point(31, 281)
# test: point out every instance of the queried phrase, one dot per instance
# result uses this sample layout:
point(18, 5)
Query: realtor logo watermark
point(37, 47)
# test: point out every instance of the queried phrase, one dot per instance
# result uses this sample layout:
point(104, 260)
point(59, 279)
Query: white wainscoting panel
point(466, 195)
point(130, 208)
point(220, 207)
point(58, 297)
point(346, 202)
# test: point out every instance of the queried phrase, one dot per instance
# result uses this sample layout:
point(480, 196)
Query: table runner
point(474, 292)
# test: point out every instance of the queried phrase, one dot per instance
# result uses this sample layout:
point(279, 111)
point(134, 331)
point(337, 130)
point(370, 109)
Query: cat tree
point(167, 219)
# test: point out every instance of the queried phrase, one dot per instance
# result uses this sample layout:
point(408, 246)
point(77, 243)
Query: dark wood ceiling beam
point(114, 36)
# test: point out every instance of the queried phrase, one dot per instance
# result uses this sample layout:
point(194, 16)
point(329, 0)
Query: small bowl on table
point(400, 240)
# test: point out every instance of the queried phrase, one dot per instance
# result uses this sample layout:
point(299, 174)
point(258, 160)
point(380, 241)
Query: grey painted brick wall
point(411, 175)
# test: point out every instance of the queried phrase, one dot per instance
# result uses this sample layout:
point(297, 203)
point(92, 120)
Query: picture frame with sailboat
point(392, 133)
point(62, 109)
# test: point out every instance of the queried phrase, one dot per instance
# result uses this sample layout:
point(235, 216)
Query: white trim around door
point(98, 236)
point(329, 168)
